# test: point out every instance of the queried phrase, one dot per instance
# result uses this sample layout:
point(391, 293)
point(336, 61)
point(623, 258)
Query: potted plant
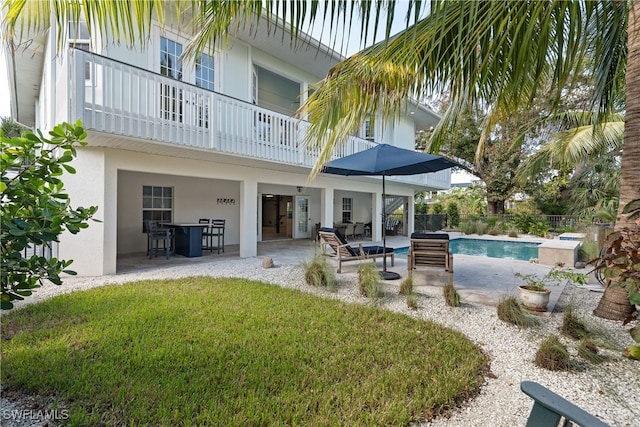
point(534, 295)
point(619, 262)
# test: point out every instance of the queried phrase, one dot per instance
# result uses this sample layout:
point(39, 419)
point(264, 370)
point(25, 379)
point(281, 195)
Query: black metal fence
point(435, 222)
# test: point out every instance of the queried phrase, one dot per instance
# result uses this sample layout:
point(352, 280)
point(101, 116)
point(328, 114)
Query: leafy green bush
point(481, 228)
point(453, 215)
point(35, 210)
point(588, 249)
point(540, 228)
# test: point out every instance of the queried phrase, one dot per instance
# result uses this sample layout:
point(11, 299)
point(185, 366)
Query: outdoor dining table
point(188, 238)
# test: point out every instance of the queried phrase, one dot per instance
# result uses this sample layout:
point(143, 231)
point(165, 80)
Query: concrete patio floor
point(480, 280)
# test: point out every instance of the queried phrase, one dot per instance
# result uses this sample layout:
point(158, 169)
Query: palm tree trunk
point(610, 305)
point(630, 168)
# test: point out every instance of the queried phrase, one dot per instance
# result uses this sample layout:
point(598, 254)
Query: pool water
point(490, 248)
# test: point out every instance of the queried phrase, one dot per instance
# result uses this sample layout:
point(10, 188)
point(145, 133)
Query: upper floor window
point(170, 62)
point(79, 39)
point(368, 129)
point(205, 71)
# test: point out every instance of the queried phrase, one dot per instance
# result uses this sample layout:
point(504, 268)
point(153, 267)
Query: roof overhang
point(24, 64)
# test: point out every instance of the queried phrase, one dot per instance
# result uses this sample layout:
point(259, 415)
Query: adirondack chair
point(430, 250)
point(549, 408)
point(343, 252)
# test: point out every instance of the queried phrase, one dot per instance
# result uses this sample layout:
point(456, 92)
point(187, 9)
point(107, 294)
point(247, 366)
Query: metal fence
point(435, 222)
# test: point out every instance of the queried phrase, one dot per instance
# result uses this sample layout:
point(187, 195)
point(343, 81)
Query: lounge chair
point(344, 252)
point(430, 250)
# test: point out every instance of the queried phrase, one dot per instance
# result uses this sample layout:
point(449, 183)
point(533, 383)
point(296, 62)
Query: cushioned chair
point(160, 240)
point(358, 230)
point(430, 250)
point(348, 232)
point(391, 226)
point(344, 252)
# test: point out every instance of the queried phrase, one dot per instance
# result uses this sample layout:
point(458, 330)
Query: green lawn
point(204, 351)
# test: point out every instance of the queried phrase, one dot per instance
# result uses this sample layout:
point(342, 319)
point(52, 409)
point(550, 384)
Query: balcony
point(119, 99)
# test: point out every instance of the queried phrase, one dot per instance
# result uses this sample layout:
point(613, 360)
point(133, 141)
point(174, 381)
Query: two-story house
point(177, 140)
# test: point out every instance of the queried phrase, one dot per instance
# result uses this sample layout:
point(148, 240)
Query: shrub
point(494, 231)
point(468, 227)
point(481, 228)
point(510, 311)
point(513, 233)
point(451, 295)
point(572, 326)
point(369, 280)
point(588, 350)
point(319, 273)
point(35, 210)
point(540, 228)
point(453, 215)
point(491, 221)
point(406, 287)
point(553, 355)
point(588, 250)
point(412, 301)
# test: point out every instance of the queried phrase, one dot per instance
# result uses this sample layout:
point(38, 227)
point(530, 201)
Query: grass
point(369, 282)
point(553, 355)
point(319, 273)
point(205, 351)
point(451, 295)
point(510, 311)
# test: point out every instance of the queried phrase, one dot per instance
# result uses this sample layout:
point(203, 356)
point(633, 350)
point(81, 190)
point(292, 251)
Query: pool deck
point(480, 280)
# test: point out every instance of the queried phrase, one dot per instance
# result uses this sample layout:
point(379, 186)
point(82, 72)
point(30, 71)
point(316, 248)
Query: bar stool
point(206, 234)
point(217, 230)
point(159, 239)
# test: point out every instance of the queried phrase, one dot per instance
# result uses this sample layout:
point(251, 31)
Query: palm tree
point(497, 53)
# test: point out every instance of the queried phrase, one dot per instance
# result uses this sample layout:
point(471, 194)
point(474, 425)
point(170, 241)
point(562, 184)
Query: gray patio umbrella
point(386, 160)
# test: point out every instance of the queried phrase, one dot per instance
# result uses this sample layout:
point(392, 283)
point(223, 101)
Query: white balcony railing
point(120, 99)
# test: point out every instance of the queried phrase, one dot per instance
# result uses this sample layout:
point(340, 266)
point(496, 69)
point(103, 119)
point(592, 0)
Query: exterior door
point(301, 217)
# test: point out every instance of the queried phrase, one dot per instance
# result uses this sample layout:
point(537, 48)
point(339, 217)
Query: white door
point(301, 217)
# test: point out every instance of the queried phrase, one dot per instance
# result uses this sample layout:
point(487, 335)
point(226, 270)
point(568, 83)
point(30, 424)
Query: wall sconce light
point(299, 188)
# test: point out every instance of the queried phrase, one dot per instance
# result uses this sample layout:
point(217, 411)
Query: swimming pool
point(490, 248)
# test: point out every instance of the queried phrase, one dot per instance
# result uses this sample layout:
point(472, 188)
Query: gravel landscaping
point(608, 390)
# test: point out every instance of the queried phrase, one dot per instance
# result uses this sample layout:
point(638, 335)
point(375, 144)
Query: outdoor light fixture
point(299, 188)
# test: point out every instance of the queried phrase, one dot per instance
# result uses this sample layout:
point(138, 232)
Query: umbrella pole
point(384, 274)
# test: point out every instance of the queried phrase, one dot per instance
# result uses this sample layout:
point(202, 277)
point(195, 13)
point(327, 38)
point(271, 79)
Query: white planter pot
point(534, 300)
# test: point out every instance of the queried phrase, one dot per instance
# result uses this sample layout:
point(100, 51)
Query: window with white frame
point(79, 39)
point(205, 71)
point(205, 78)
point(347, 209)
point(368, 131)
point(171, 102)
point(157, 204)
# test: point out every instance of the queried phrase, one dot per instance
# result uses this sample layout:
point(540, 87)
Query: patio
point(479, 280)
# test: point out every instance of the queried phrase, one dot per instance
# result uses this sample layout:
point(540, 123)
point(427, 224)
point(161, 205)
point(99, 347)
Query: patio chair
point(429, 250)
point(391, 226)
point(358, 231)
point(159, 239)
point(549, 409)
point(344, 252)
point(348, 232)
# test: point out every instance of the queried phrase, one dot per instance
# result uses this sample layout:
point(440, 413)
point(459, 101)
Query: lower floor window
point(157, 204)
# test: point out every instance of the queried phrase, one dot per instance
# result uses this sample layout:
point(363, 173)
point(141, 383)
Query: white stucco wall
point(193, 198)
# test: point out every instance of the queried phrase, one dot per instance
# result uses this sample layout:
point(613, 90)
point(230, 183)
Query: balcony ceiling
point(26, 61)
